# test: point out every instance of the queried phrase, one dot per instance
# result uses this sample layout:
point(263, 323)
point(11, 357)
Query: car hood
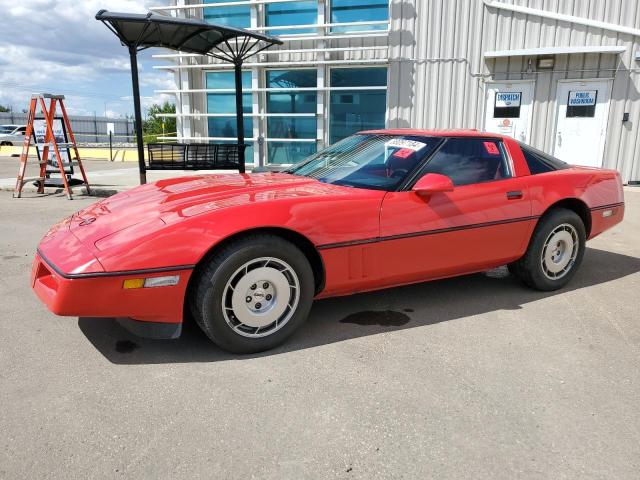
point(155, 205)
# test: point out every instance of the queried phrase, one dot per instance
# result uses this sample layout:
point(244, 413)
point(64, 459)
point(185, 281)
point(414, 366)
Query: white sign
point(405, 143)
point(508, 99)
point(582, 98)
point(111, 128)
point(40, 132)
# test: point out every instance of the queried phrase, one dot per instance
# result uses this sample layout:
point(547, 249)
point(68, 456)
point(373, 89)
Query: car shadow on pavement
point(343, 318)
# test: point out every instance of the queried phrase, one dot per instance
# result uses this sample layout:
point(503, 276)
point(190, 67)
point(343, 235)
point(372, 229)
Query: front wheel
point(554, 253)
point(253, 294)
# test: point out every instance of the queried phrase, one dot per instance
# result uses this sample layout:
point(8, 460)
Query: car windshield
point(7, 128)
point(379, 162)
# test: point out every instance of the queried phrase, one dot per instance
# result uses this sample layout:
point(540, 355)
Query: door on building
point(581, 122)
point(509, 106)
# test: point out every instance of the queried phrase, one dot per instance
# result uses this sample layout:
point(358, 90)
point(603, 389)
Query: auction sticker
point(414, 145)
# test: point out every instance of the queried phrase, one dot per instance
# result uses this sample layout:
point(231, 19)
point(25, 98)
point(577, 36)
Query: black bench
point(195, 156)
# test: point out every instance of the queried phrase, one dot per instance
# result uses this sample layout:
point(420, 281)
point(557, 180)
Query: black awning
point(140, 31)
point(188, 35)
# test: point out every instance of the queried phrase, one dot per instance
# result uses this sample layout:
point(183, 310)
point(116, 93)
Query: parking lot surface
point(474, 377)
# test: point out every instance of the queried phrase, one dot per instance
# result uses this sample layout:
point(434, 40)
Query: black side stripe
point(426, 232)
point(120, 273)
point(604, 207)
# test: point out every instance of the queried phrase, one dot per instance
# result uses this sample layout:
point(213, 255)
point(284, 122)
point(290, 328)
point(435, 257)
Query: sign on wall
point(508, 99)
point(582, 98)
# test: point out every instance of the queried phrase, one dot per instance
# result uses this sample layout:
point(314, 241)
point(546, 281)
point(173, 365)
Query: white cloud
point(58, 46)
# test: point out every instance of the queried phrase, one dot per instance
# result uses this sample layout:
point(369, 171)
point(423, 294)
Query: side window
point(469, 160)
point(22, 130)
point(540, 162)
point(535, 163)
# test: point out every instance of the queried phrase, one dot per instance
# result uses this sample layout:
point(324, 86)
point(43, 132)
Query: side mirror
point(433, 183)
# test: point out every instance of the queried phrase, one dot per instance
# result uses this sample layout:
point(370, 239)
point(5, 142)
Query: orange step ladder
point(50, 142)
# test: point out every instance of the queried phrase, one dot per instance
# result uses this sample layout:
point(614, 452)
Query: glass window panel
point(291, 102)
point(344, 11)
point(289, 152)
point(226, 127)
point(292, 13)
point(239, 16)
point(227, 80)
point(352, 111)
point(291, 78)
point(291, 127)
point(226, 102)
point(359, 77)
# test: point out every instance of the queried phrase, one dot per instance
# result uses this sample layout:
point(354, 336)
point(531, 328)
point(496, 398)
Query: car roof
point(434, 133)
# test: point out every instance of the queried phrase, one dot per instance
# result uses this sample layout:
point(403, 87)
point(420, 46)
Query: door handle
point(514, 195)
point(559, 139)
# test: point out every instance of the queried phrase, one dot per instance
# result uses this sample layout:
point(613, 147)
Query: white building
point(560, 75)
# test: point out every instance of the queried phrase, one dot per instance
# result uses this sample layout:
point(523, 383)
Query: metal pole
point(133, 55)
point(239, 114)
point(110, 146)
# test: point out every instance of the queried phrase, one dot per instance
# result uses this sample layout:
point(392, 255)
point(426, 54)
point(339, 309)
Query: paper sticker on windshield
point(413, 145)
point(491, 148)
point(403, 153)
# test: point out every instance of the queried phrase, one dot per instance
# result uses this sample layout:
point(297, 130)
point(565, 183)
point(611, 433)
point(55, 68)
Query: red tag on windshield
point(491, 148)
point(403, 153)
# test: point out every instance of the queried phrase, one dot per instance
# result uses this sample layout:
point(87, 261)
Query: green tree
point(4, 109)
point(156, 125)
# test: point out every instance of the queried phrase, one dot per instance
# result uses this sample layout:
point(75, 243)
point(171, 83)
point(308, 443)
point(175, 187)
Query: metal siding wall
point(438, 74)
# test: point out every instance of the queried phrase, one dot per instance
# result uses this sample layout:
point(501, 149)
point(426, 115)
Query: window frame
point(419, 171)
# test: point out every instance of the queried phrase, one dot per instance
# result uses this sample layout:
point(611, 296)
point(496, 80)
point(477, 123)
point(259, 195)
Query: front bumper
point(101, 294)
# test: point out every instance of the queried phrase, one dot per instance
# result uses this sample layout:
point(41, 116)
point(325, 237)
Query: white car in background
point(12, 134)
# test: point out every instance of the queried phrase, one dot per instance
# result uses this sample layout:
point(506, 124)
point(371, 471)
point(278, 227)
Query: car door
point(482, 223)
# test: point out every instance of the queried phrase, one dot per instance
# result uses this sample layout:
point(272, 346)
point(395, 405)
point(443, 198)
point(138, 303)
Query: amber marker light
point(131, 283)
point(150, 282)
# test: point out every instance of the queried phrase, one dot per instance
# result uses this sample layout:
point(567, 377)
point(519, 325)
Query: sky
point(57, 46)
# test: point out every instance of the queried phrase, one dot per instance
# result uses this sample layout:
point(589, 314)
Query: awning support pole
point(239, 114)
point(133, 55)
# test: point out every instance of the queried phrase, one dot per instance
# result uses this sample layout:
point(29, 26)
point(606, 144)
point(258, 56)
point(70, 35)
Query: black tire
point(212, 293)
point(6, 144)
point(531, 270)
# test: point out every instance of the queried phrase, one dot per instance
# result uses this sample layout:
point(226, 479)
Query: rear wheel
point(554, 253)
point(253, 294)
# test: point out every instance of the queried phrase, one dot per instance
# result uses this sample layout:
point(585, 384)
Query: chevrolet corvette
point(246, 254)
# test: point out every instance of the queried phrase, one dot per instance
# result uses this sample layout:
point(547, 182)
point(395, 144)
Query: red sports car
point(246, 254)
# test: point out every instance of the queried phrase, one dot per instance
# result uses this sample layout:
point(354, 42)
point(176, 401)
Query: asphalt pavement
point(475, 377)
